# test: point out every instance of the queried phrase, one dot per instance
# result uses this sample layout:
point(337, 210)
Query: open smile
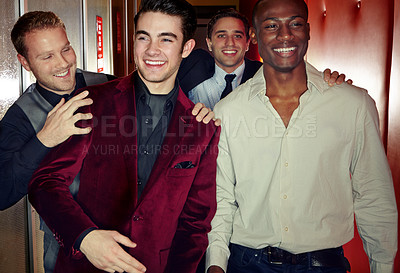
point(285, 51)
point(62, 74)
point(229, 52)
point(154, 63)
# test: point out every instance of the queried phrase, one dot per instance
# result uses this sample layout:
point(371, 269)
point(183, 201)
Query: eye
point(221, 36)
point(66, 49)
point(166, 40)
point(271, 26)
point(296, 24)
point(238, 36)
point(142, 38)
point(47, 57)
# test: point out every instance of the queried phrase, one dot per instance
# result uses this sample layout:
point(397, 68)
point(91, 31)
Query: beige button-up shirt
point(298, 188)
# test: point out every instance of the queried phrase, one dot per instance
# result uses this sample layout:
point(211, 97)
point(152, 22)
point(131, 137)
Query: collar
point(314, 81)
point(219, 74)
point(142, 92)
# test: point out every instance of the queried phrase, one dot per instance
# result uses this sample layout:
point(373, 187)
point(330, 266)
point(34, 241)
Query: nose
point(153, 48)
point(61, 61)
point(284, 33)
point(230, 41)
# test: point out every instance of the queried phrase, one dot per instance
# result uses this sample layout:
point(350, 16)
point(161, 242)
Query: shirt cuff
point(78, 241)
point(217, 256)
point(377, 267)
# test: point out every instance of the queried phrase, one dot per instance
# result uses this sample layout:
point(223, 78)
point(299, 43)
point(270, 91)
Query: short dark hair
point(227, 13)
point(29, 22)
point(256, 6)
point(179, 8)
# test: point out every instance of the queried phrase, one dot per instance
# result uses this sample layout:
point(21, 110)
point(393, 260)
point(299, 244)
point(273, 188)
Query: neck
point(292, 83)
point(58, 92)
point(162, 87)
point(229, 69)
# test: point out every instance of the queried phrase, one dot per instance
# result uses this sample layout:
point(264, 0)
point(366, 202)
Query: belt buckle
point(270, 257)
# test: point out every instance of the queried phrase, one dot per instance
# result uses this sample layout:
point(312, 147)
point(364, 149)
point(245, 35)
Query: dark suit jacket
point(171, 219)
point(200, 66)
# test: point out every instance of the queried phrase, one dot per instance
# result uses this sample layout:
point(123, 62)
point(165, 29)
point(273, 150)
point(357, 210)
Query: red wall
point(362, 40)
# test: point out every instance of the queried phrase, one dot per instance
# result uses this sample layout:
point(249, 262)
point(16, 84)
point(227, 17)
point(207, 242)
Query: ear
point(188, 47)
point(24, 62)
point(253, 35)
point(308, 30)
point(209, 44)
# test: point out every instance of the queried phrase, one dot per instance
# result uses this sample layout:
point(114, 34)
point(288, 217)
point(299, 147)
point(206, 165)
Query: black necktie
point(228, 88)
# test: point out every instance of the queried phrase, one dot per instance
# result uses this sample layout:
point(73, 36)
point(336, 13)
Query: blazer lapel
point(125, 108)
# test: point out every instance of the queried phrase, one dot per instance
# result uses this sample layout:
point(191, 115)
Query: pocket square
point(184, 165)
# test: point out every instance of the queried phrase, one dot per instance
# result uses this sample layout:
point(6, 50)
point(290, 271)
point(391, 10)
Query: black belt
point(331, 257)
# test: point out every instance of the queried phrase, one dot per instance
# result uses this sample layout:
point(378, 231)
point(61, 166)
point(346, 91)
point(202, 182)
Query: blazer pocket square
point(184, 165)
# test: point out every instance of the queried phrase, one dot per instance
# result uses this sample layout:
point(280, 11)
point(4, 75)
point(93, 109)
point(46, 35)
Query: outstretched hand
point(102, 249)
point(60, 121)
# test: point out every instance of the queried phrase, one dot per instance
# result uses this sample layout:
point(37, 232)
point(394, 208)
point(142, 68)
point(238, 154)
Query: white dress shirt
point(298, 188)
point(209, 92)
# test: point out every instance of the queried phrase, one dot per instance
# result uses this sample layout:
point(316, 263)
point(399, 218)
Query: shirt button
point(139, 182)
point(284, 196)
point(286, 228)
point(286, 164)
point(146, 121)
point(145, 152)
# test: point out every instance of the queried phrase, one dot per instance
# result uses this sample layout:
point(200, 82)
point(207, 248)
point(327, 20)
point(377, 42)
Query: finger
point(132, 265)
point(327, 74)
point(118, 237)
point(81, 116)
point(340, 79)
point(117, 269)
point(74, 105)
point(333, 78)
point(217, 122)
point(209, 116)
point(197, 108)
point(349, 81)
point(80, 96)
point(128, 263)
point(58, 106)
point(82, 131)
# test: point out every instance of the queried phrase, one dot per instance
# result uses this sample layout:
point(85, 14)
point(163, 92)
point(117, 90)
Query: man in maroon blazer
point(147, 169)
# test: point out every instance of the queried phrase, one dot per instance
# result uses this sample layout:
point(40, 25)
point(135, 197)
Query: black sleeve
point(20, 154)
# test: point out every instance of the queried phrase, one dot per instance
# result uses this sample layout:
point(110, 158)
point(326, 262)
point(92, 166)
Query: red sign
point(119, 44)
point(100, 56)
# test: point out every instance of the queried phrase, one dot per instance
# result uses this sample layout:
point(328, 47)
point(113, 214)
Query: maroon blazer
point(171, 219)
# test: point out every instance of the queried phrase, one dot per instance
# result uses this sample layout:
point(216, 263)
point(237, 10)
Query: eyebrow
point(283, 19)
point(162, 34)
point(224, 31)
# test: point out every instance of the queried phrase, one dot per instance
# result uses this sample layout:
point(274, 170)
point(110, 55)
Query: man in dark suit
point(146, 199)
point(202, 77)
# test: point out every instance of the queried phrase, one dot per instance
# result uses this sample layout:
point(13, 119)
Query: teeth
point(154, 62)
point(284, 50)
point(62, 74)
point(229, 51)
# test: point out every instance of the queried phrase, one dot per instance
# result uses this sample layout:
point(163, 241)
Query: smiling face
point(228, 43)
point(158, 50)
point(51, 59)
point(282, 33)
